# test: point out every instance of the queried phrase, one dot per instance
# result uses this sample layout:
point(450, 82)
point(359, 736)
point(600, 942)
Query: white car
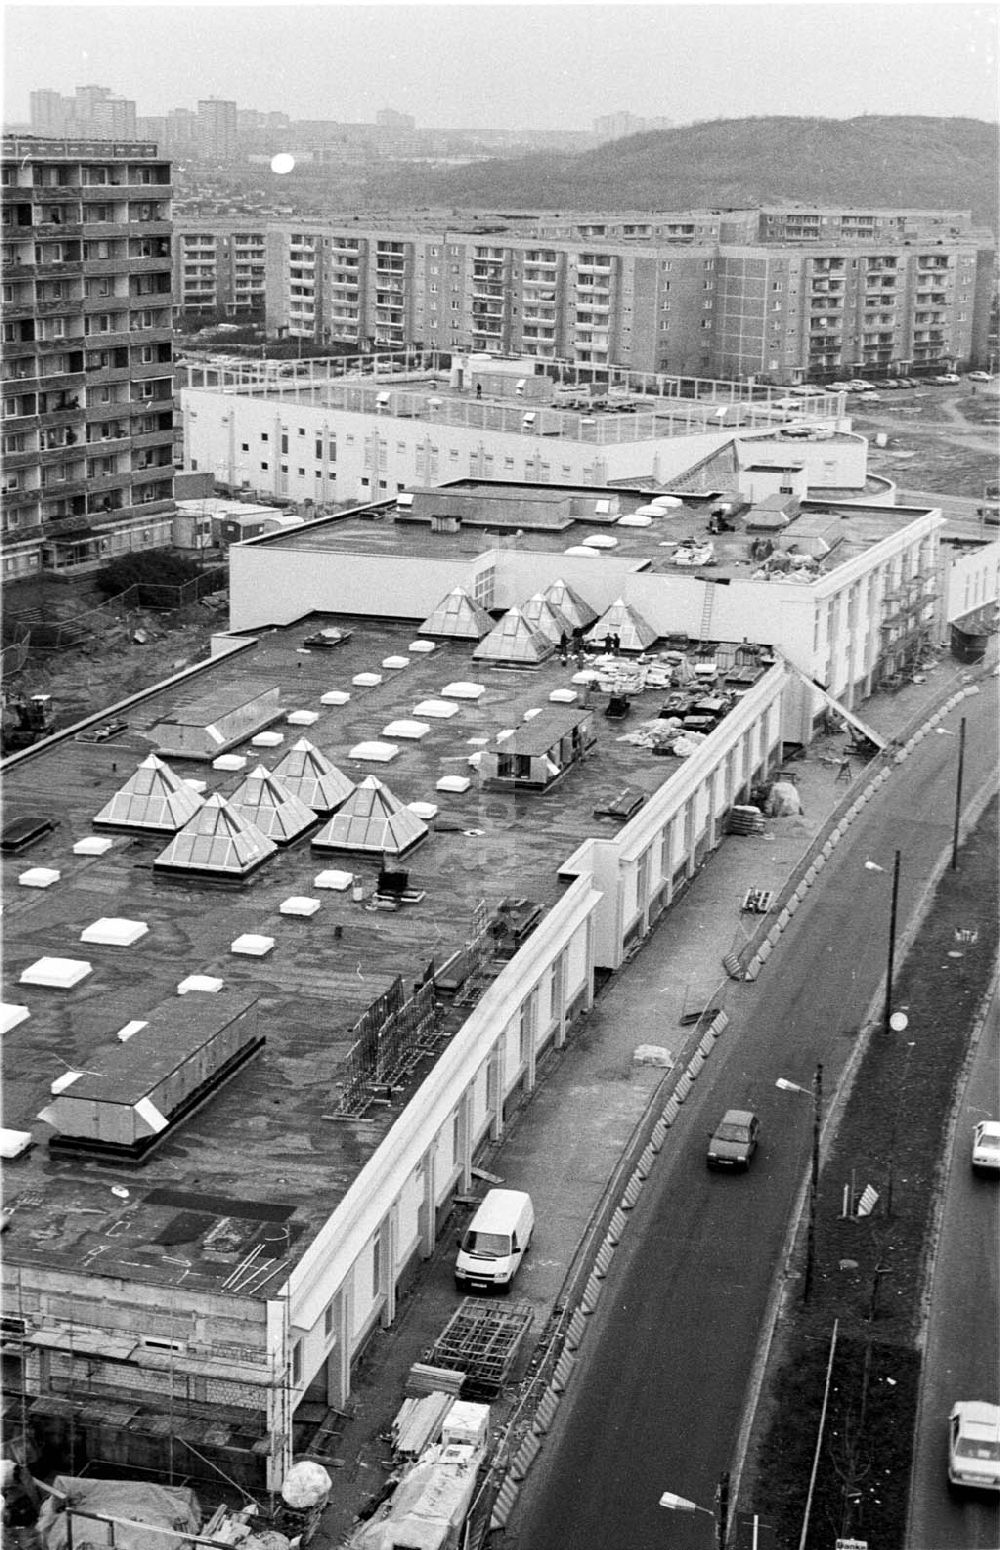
point(974, 1445)
point(980, 376)
point(947, 379)
point(859, 385)
point(986, 1146)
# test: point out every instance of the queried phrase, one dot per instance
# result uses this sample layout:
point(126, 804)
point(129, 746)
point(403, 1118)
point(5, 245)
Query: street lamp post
point(817, 1097)
point(890, 968)
point(719, 1513)
point(958, 795)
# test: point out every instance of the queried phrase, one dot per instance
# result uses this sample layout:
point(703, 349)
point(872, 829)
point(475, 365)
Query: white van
point(496, 1240)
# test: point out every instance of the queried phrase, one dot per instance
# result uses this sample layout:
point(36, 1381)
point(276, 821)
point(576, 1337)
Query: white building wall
point(343, 1262)
point(971, 580)
point(379, 455)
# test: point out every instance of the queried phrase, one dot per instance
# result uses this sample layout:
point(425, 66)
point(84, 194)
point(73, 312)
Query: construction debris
point(419, 1421)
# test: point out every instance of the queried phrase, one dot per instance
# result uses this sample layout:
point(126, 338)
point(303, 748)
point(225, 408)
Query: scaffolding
point(481, 1341)
point(390, 1038)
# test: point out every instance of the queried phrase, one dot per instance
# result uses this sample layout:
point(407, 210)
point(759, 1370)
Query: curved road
point(666, 1365)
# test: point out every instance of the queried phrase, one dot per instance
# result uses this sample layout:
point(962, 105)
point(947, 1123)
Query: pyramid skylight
point(372, 820)
point(458, 617)
point(152, 799)
point(310, 776)
point(266, 802)
point(217, 842)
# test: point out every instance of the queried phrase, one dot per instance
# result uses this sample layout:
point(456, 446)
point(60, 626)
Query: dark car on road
point(734, 1140)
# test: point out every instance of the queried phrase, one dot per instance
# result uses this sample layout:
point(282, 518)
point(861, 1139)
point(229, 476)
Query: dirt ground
point(109, 663)
point(938, 439)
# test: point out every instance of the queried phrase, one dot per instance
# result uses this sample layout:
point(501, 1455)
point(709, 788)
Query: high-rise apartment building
point(93, 112)
point(87, 363)
point(731, 294)
point(216, 129)
point(219, 268)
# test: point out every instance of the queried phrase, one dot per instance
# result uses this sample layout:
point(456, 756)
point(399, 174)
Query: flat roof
point(373, 530)
point(321, 976)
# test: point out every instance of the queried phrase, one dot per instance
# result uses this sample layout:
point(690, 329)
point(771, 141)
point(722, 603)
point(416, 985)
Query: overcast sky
point(543, 66)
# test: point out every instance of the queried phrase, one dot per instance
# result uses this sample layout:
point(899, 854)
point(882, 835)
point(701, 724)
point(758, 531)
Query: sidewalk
point(566, 1142)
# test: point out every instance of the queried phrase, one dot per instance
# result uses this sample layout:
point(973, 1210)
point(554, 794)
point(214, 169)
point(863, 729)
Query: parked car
point(496, 1241)
point(946, 379)
point(986, 1146)
point(734, 1140)
point(838, 387)
point(974, 1445)
point(869, 397)
point(980, 376)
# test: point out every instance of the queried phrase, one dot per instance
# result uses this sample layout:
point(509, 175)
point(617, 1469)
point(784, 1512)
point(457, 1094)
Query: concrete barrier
point(719, 1023)
point(576, 1330)
point(783, 919)
point(591, 1294)
point(774, 935)
point(820, 861)
point(793, 903)
point(563, 1371)
point(617, 1226)
point(752, 970)
point(683, 1087)
point(695, 1064)
point(764, 952)
point(810, 876)
point(602, 1263)
point(646, 1162)
point(671, 1111)
point(545, 1414)
point(633, 1190)
point(525, 1456)
point(504, 1504)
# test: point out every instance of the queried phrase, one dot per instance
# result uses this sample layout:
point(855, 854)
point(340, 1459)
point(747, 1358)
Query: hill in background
point(875, 162)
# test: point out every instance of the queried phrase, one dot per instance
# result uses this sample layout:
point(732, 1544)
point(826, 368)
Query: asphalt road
point(962, 1355)
point(658, 1404)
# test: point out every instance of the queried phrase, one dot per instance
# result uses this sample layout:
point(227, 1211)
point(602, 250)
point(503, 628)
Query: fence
point(46, 630)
